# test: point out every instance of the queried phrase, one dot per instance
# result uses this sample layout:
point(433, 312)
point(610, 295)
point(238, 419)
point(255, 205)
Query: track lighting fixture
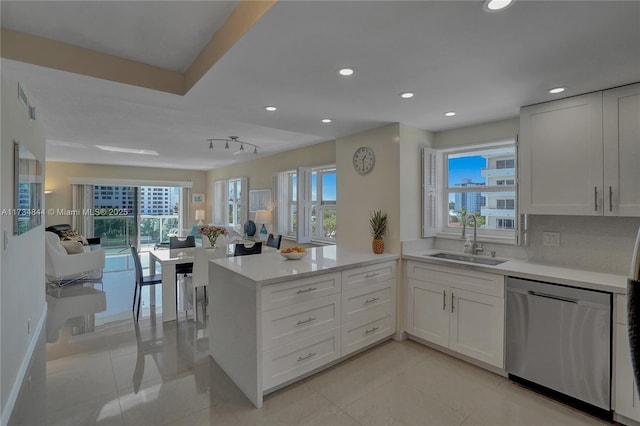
point(233, 139)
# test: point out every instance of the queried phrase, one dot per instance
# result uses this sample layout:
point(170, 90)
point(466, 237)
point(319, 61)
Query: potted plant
point(378, 227)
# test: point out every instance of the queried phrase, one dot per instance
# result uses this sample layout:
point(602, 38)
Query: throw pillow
point(72, 247)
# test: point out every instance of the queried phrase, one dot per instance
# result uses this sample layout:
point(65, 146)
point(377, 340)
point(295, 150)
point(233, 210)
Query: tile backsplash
point(599, 244)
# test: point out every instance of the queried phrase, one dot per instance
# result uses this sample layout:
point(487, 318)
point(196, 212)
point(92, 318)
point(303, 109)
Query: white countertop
point(269, 268)
point(535, 271)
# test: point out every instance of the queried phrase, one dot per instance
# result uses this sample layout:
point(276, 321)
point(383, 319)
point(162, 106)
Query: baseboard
point(399, 336)
point(7, 410)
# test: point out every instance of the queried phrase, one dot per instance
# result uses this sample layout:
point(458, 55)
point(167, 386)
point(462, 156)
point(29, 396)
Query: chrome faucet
point(476, 247)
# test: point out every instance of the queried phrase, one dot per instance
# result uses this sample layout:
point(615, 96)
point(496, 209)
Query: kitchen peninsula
point(273, 321)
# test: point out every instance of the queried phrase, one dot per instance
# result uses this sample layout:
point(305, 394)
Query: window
point(508, 204)
point(322, 200)
point(235, 202)
point(230, 201)
point(478, 181)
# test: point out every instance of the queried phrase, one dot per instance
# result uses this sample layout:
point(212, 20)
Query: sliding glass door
point(116, 215)
point(144, 216)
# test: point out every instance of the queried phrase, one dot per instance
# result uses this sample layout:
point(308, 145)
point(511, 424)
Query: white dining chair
point(200, 275)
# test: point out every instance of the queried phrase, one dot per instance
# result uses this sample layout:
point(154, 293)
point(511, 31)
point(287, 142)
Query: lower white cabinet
point(627, 401)
point(290, 361)
point(311, 322)
point(460, 309)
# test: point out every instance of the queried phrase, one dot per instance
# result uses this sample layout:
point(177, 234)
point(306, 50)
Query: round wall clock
point(363, 160)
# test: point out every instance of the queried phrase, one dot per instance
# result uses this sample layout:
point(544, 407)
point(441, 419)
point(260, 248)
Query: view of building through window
point(482, 182)
point(324, 200)
point(125, 212)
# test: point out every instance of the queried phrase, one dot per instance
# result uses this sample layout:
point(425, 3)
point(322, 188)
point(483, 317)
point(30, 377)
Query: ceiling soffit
point(62, 56)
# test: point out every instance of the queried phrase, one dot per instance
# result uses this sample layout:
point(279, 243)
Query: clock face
point(363, 160)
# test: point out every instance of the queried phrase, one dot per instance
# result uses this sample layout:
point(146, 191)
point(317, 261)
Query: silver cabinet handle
point(311, 354)
point(306, 291)
point(595, 197)
point(306, 321)
point(373, 299)
point(610, 199)
point(375, 274)
point(371, 330)
point(452, 296)
point(444, 300)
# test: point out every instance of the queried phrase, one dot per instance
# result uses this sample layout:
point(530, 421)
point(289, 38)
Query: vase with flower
point(212, 233)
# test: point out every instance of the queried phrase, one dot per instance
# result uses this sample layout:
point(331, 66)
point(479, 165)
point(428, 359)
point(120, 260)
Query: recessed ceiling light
point(450, 113)
point(271, 108)
point(127, 150)
point(346, 72)
point(557, 90)
point(495, 5)
point(407, 95)
point(327, 120)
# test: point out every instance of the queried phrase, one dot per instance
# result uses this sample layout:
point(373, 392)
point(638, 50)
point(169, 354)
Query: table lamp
point(199, 216)
point(264, 217)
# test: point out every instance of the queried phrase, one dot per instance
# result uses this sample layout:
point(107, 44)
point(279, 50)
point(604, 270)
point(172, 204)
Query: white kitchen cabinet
point(457, 308)
point(627, 403)
point(560, 156)
point(427, 315)
point(579, 156)
point(368, 305)
point(621, 121)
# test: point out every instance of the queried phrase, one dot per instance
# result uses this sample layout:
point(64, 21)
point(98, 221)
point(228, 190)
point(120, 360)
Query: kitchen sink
point(467, 258)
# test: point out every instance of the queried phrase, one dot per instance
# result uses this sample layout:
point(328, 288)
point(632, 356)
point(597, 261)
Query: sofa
point(69, 261)
point(58, 229)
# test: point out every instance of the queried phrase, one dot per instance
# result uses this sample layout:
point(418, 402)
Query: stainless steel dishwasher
point(559, 337)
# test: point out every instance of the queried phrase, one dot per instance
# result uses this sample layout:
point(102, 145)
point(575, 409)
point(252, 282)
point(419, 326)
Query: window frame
point(318, 203)
point(504, 236)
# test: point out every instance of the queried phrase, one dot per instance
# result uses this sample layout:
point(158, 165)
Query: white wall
point(359, 195)
point(482, 133)
point(22, 286)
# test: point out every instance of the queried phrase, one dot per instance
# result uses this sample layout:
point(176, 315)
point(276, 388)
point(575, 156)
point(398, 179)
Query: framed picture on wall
point(259, 199)
point(197, 198)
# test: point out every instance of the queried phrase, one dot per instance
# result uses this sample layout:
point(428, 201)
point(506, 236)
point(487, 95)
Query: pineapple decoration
point(378, 225)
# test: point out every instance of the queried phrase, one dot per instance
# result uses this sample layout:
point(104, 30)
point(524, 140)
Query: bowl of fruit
point(293, 253)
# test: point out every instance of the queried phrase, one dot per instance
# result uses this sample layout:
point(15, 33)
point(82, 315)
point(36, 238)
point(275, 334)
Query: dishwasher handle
point(552, 296)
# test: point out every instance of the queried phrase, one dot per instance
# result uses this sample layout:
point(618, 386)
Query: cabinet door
point(477, 326)
point(560, 157)
point(427, 311)
point(627, 402)
point(621, 121)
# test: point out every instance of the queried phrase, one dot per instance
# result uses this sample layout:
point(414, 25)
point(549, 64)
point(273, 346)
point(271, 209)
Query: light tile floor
point(104, 369)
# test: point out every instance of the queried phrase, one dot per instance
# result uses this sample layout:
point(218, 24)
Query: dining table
point(168, 259)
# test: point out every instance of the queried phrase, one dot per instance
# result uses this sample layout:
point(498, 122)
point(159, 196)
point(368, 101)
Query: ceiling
point(452, 54)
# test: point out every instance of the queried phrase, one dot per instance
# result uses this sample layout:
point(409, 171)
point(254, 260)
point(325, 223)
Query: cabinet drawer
point(466, 279)
point(621, 308)
point(285, 325)
point(290, 361)
point(356, 302)
point(368, 275)
point(290, 292)
point(376, 325)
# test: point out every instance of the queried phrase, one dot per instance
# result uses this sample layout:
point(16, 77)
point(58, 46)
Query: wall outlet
point(551, 239)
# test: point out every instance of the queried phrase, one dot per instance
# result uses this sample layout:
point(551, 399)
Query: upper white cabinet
point(579, 156)
point(621, 121)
